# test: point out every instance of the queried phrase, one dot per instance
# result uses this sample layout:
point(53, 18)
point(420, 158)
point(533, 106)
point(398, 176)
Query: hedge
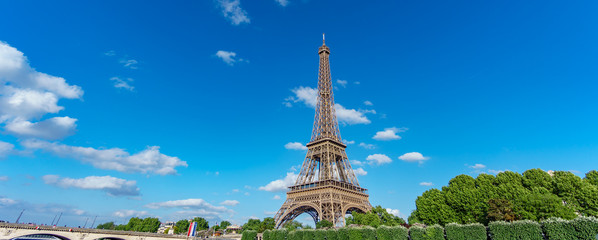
point(518, 230)
point(434, 232)
point(279, 234)
point(559, 229)
point(320, 234)
point(332, 234)
point(295, 235)
point(368, 233)
point(249, 235)
point(343, 233)
point(474, 231)
point(586, 227)
point(267, 235)
point(308, 234)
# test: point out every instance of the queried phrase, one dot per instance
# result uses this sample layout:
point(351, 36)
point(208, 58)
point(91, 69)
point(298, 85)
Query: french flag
point(192, 228)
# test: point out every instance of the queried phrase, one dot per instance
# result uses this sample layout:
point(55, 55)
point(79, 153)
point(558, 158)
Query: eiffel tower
point(326, 187)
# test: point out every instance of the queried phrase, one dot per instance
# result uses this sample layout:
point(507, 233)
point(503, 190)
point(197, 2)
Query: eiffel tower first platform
point(326, 187)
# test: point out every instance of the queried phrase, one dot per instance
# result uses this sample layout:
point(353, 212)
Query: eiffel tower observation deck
point(326, 187)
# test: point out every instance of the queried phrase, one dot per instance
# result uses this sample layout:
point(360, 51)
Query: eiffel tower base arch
point(326, 200)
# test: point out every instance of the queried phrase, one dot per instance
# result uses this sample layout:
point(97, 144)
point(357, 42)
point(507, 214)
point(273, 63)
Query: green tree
point(267, 224)
point(150, 224)
point(541, 206)
point(252, 224)
point(501, 210)
point(181, 226)
point(324, 224)
point(386, 218)
point(592, 177)
point(293, 225)
point(108, 225)
point(224, 224)
point(202, 224)
point(431, 208)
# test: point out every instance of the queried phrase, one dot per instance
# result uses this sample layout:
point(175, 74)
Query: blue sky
point(200, 108)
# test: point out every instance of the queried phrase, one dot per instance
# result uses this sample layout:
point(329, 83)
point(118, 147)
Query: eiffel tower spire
point(326, 187)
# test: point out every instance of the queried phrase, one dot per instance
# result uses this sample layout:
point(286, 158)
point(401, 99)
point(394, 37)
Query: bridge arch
point(109, 238)
point(310, 208)
point(41, 236)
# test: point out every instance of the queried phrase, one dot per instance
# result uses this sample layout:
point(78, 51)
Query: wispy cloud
point(368, 103)
point(149, 160)
point(231, 10)
point(111, 185)
point(360, 172)
point(123, 83)
point(367, 145)
point(129, 63)
point(342, 83)
point(283, 3)
point(230, 203)
point(426, 184)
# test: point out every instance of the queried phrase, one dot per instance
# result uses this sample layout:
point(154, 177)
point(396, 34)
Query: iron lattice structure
point(326, 187)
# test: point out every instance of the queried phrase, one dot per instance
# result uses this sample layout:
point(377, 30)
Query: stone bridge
point(12, 230)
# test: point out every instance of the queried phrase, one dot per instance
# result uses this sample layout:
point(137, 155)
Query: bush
point(368, 233)
point(518, 230)
point(320, 234)
point(434, 232)
point(474, 231)
point(586, 228)
point(279, 234)
point(267, 235)
point(399, 233)
point(249, 235)
point(308, 234)
point(332, 234)
point(355, 234)
point(559, 229)
point(384, 233)
point(343, 233)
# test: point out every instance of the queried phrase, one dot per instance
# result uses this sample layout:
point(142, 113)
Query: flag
point(192, 228)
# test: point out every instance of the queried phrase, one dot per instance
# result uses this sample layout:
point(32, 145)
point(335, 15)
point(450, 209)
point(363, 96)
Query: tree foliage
point(135, 224)
point(378, 216)
point(324, 224)
point(508, 196)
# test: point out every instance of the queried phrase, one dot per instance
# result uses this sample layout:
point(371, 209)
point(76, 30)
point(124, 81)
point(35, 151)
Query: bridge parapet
point(10, 229)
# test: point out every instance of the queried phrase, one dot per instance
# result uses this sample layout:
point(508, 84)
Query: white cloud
point(123, 83)
point(5, 149)
point(356, 83)
point(231, 9)
point(198, 205)
point(350, 116)
point(6, 202)
point(309, 96)
point(276, 197)
point(426, 184)
point(389, 134)
point(478, 166)
point(367, 145)
point(395, 212)
point(295, 146)
point(129, 63)
point(413, 157)
point(356, 163)
point(348, 142)
point(280, 185)
point(283, 3)
point(228, 57)
point(111, 185)
point(360, 172)
point(25, 93)
point(368, 103)
point(492, 171)
point(269, 213)
point(4, 178)
point(129, 213)
point(51, 129)
point(378, 159)
point(149, 160)
point(230, 203)
point(110, 53)
point(342, 83)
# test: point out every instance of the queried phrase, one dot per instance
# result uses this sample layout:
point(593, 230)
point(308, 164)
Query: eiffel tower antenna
point(326, 187)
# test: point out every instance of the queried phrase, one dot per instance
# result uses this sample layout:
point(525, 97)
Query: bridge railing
point(88, 230)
